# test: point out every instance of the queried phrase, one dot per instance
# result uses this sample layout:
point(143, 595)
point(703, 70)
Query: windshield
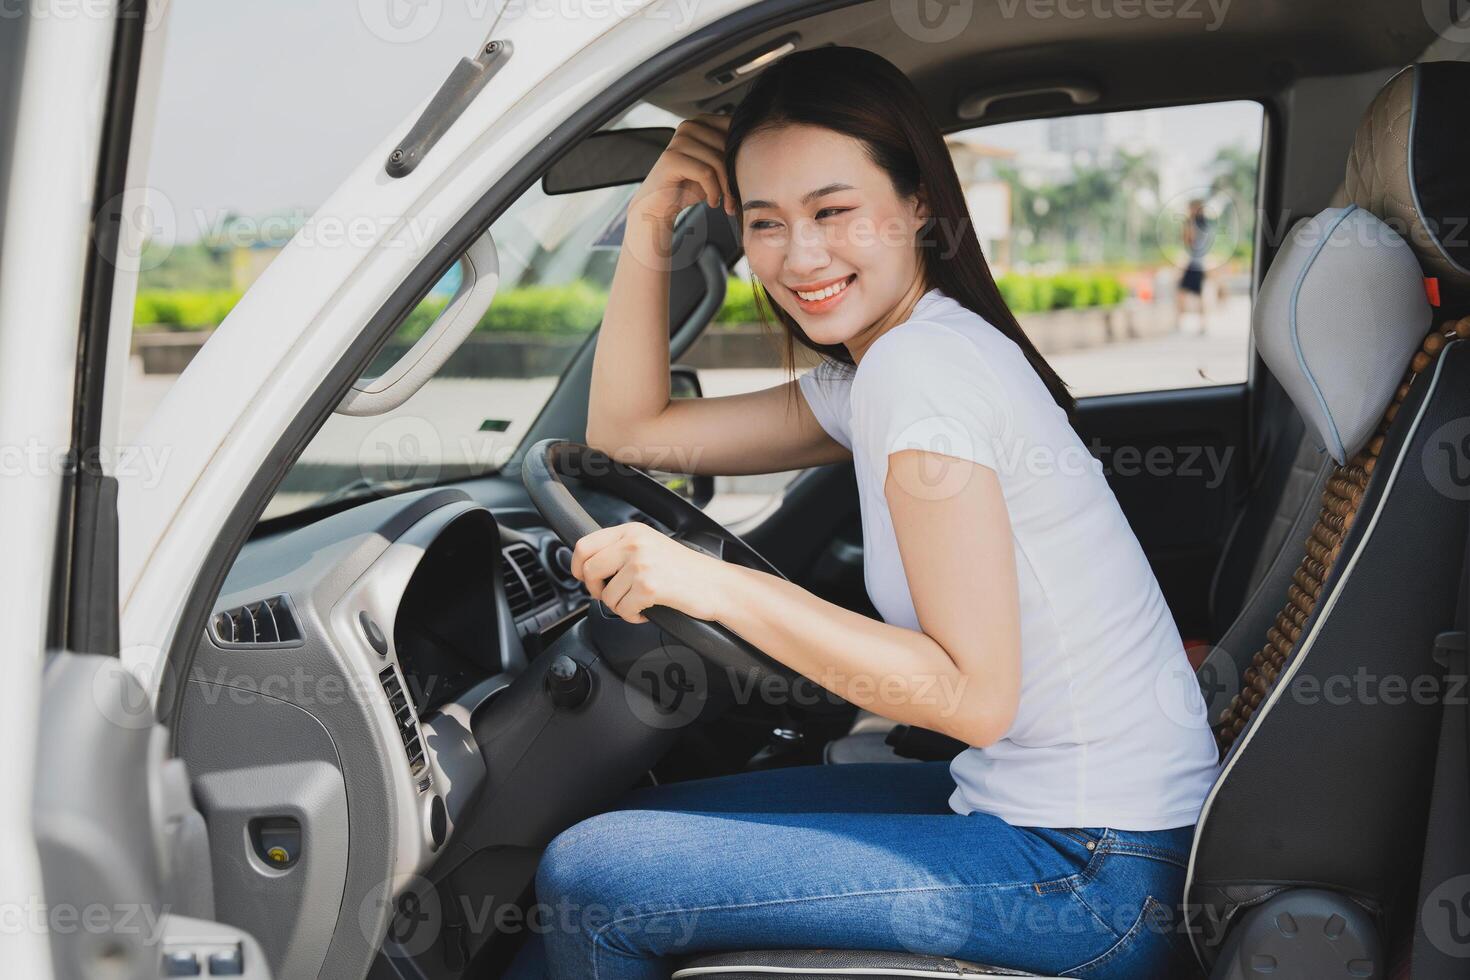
point(557, 254)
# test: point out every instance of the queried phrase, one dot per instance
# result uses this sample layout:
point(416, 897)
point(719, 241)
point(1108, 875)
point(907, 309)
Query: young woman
point(1020, 615)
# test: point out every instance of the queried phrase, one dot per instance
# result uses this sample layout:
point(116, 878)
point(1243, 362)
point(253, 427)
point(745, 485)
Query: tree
point(1137, 175)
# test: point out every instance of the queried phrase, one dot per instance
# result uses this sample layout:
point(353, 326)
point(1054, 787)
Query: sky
point(265, 106)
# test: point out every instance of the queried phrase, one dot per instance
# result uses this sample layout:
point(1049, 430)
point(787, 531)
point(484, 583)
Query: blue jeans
point(850, 857)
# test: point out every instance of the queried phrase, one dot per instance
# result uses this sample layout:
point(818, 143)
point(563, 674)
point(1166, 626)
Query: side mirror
point(698, 490)
point(684, 382)
point(607, 159)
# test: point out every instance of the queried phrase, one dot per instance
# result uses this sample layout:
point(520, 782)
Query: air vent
point(269, 622)
point(527, 585)
point(408, 730)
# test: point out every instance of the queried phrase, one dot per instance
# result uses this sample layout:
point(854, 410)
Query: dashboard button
point(374, 634)
point(180, 963)
point(229, 963)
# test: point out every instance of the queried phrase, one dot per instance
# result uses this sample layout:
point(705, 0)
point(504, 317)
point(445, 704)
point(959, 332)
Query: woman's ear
point(924, 215)
point(921, 204)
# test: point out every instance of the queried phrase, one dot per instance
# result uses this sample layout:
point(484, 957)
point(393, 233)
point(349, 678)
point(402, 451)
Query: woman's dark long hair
point(860, 94)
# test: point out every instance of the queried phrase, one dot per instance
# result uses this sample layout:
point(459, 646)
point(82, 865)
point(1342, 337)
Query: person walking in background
point(1199, 233)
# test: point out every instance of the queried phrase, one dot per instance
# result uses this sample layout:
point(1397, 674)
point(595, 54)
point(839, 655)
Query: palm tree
point(1233, 176)
point(1137, 174)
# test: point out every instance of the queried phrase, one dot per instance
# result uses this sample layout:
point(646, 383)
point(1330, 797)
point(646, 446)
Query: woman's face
point(818, 215)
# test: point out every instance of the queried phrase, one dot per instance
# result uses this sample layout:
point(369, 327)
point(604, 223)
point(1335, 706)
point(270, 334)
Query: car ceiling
point(1255, 48)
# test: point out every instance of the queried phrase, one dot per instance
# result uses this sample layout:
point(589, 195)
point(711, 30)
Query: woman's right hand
point(689, 171)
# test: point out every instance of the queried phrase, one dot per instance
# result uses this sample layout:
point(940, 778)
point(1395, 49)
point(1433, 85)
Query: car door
point(299, 346)
point(105, 837)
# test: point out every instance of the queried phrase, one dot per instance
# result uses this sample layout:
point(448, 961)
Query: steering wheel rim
point(548, 461)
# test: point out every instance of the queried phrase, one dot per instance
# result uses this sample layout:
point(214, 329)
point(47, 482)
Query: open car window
point(1082, 221)
point(556, 256)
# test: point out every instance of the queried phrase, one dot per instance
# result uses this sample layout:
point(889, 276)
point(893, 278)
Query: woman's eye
point(764, 224)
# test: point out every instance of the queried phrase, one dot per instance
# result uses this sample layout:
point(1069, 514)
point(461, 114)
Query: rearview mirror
point(607, 159)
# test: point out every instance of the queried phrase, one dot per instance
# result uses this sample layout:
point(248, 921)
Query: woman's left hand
point(630, 567)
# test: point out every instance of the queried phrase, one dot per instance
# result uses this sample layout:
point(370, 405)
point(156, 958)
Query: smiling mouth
point(818, 296)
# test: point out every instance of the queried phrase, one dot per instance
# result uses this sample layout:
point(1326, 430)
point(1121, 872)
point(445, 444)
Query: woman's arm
point(960, 675)
point(630, 415)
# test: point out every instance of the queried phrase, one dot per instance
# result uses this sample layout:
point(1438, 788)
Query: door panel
point(1175, 462)
point(119, 844)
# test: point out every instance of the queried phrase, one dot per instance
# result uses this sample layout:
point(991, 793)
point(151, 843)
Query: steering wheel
point(549, 460)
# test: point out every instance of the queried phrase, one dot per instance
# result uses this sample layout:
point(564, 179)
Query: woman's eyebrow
point(806, 198)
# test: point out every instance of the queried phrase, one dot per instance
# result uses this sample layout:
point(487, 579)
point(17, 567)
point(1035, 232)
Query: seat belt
point(1441, 947)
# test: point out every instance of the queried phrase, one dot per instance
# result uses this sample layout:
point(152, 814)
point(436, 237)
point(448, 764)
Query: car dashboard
point(342, 667)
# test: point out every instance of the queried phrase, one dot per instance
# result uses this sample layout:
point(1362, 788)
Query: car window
point(239, 160)
point(1123, 241)
point(1090, 226)
point(557, 254)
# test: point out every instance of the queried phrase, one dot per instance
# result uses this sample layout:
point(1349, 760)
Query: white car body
point(228, 410)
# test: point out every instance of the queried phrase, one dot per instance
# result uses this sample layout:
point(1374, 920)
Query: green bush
point(573, 308)
point(1064, 291)
point(577, 307)
point(1110, 292)
point(422, 317)
point(568, 309)
point(184, 309)
point(739, 305)
point(1073, 292)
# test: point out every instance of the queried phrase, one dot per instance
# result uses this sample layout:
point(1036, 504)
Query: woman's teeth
point(831, 290)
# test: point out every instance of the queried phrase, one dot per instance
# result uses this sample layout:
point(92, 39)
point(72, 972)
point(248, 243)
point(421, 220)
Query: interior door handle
point(977, 104)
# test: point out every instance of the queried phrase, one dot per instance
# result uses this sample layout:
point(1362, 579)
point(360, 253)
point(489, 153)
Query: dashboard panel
point(335, 689)
point(346, 659)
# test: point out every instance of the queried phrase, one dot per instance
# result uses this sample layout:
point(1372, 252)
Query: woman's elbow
point(982, 725)
point(599, 438)
point(615, 441)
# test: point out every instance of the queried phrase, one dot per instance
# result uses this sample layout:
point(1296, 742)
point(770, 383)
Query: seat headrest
point(1339, 315)
point(1407, 166)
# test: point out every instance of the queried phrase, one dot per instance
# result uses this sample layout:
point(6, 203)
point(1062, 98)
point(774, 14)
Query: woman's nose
point(806, 251)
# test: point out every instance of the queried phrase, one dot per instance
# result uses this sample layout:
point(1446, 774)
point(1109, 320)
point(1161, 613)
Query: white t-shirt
point(1111, 730)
